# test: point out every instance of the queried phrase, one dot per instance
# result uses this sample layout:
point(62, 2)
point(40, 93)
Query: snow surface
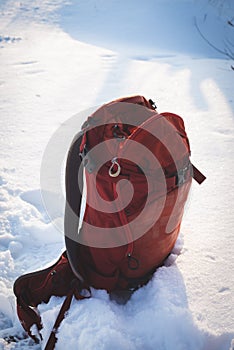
point(59, 58)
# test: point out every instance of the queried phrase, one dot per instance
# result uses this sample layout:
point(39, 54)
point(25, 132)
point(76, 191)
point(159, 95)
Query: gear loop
point(115, 168)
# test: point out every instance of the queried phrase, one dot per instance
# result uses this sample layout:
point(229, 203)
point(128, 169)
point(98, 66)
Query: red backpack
point(138, 174)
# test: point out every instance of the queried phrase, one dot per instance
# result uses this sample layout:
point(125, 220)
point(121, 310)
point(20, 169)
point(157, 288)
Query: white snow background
point(59, 58)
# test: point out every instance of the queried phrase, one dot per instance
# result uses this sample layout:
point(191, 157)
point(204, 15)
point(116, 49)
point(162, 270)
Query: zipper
point(122, 216)
point(114, 171)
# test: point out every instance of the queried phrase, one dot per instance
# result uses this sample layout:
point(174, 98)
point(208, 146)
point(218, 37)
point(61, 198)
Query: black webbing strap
point(75, 290)
point(197, 175)
point(50, 345)
point(74, 168)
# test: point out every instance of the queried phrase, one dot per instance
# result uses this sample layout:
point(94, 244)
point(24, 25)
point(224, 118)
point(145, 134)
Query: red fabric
point(37, 287)
point(111, 268)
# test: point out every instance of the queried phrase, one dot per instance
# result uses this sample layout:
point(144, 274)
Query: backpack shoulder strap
point(74, 188)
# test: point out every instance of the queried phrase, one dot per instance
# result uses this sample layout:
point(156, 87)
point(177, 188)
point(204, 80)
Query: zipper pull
point(133, 263)
point(115, 168)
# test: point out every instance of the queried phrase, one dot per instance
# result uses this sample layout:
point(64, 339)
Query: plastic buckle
point(182, 175)
point(88, 162)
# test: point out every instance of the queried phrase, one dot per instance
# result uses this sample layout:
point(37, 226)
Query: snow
point(58, 59)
